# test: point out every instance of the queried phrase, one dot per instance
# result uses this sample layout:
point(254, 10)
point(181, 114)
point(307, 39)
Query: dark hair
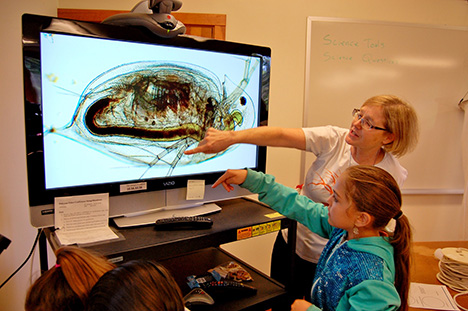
point(136, 285)
point(374, 191)
point(66, 285)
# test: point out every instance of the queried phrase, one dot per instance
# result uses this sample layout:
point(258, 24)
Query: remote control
point(184, 222)
point(226, 287)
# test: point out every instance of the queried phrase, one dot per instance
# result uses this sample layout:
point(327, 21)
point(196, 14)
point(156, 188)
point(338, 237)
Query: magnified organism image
point(131, 115)
point(151, 112)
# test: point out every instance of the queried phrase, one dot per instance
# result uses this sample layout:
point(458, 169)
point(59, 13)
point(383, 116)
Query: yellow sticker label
point(274, 215)
point(275, 226)
point(258, 230)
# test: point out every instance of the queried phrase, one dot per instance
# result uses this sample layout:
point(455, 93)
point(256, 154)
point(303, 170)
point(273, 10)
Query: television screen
point(112, 109)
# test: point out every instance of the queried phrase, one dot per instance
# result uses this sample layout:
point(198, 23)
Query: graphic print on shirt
point(324, 183)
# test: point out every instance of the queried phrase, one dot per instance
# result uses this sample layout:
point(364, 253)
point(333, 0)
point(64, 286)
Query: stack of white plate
point(453, 267)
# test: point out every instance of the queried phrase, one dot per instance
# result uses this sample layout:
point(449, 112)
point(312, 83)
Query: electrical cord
point(455, 299)
point(26, 260)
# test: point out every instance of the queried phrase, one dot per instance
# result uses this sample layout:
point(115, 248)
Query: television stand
point(148, 218)
point(193, 252)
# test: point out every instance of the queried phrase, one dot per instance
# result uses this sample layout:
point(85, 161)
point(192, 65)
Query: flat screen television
point(111, 109)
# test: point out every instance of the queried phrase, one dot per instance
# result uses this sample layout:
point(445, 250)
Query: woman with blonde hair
point(383, 129)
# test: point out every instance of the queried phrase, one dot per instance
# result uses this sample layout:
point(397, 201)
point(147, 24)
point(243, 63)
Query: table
point(425, 266)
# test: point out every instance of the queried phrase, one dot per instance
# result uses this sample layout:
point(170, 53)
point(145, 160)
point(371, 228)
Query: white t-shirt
point(333, 154)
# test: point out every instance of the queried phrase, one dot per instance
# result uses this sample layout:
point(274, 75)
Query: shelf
point(269, 292)
point(237, 216)
point(194, 252)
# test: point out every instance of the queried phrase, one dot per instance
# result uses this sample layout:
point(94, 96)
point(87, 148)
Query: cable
point(463, 98)
point(27, 259)
point(455, 299)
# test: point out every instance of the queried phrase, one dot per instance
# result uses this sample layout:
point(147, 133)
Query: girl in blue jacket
point(363, 266)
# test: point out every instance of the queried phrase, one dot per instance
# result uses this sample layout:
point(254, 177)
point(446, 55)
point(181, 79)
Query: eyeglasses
point(365, 124)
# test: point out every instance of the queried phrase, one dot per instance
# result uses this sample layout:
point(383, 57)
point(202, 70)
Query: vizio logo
point(169, 183)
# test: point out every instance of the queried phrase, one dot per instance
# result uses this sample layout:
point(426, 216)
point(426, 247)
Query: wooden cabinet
point(197, 24)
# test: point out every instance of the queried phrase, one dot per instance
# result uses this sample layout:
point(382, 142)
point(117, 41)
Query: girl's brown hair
point(136, 285)
point(374, 191)
point(66, 285)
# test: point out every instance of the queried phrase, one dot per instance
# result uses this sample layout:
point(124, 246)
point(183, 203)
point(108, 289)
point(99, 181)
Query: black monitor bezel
point(32, 27)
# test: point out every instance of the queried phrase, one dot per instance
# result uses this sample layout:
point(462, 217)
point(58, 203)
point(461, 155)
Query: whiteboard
point(348, 61)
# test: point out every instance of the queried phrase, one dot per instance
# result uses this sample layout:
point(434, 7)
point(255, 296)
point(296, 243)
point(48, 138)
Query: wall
point(283, 28)
point(426, 65)
point(14, 215)
point(280, 25)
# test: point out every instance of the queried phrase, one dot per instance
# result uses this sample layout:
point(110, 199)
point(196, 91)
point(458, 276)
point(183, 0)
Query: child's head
point(374, 191)
point(66, 285)
point(136, 285)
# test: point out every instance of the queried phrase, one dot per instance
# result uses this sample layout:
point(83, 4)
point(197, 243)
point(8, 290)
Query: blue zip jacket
point(351, 275)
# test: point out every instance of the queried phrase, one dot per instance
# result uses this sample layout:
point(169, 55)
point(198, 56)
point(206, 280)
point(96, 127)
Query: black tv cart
point(193, 252)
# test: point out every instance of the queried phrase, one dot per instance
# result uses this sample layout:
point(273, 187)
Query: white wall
point(280, 25)
point(14, 215)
